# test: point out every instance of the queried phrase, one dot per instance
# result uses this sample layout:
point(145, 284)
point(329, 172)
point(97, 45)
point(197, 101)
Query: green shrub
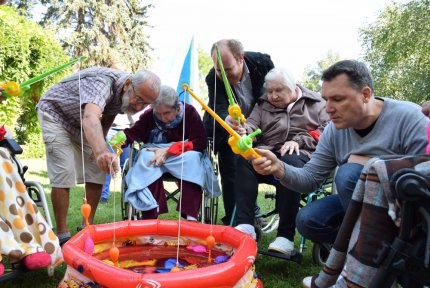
point(26, 50)
point(35, 147)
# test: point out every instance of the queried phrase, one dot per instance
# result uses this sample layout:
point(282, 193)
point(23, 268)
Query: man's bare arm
point(106, 122)
point(95, 137)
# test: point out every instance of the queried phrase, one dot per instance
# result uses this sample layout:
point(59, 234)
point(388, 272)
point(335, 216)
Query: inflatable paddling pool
point(144, 243)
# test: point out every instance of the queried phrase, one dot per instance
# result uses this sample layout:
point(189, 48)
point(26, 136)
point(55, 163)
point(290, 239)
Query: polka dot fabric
point(23, 230)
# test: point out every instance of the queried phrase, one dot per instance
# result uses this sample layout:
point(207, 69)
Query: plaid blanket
point(372, 217)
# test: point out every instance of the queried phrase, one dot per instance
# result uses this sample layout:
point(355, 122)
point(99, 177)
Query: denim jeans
point(287, 201)
point(122, 157)
point(320, 220)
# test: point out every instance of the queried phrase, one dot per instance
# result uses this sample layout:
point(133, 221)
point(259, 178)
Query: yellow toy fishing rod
point(12, 88)
point(241, 145)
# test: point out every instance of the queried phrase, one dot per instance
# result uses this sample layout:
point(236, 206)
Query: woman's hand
point(235, 125)
point(290, 147)
point(159, 158)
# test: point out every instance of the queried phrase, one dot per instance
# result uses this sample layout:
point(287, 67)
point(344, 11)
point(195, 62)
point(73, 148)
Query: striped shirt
point(100, 86)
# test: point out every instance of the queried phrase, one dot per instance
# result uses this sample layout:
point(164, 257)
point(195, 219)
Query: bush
point(35, 147)
point(26, 50)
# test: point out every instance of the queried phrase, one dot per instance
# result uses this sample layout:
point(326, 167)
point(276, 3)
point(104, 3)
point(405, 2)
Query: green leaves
point(312, 75)
point(26, 50)
point(105, 31)
point(398, 51)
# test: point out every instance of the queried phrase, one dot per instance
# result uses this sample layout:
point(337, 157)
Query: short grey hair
point(281, 75)
point(142, 76)
point(168, 97)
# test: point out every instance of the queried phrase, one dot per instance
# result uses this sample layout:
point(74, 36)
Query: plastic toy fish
point(89, 246)
point(191, 267)
point(170, 263)
point(197, 248)
point(221, 259)
point(132, 263)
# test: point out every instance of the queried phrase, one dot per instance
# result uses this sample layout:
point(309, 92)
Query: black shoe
point(64, 237)
point(80, 228)
point(226, 221)
point(64, 240)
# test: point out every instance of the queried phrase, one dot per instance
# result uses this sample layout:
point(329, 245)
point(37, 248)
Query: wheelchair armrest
point(11, 145)
point(410, 185)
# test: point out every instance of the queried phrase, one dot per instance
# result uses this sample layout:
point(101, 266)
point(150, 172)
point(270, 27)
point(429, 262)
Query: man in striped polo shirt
point(87, 101)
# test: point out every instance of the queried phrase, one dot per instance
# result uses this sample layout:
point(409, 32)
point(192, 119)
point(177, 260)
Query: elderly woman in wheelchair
point(174, 139)
point(288, 114)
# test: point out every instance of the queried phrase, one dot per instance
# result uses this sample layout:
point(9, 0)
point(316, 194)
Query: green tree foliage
point(23, 7)
point(398, 51)
point(205, 64)
point(26, 50)
point(105, 31)
point(312, 75)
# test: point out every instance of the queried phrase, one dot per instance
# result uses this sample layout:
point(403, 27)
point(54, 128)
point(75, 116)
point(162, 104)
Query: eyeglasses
point(139, 100)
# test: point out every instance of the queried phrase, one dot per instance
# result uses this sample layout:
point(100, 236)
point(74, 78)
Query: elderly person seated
point(174, 138)
point(291, 118)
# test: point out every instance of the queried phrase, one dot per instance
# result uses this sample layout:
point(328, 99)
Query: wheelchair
point(34, 189)
point(267, 222)
point(209, 206)
point(407, 259)
point(37, 194)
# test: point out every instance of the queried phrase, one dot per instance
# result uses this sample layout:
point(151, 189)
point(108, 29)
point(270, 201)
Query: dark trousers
point(320, 220)
point(227, 168)
point(191, 199)
point(287, 201)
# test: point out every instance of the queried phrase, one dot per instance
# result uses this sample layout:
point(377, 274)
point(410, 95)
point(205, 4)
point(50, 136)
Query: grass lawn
point(275, 273)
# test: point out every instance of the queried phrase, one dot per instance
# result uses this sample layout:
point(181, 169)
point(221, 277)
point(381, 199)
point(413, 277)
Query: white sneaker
point(307, 282)
point(247, 229)
point(191, 218)
point(282, 245)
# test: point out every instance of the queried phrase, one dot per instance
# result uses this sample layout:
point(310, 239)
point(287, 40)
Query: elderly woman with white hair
point(170, 146)
point(291, 118)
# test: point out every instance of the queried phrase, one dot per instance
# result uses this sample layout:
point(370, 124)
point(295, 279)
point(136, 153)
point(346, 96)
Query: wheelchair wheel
point(320, 253)
point(258, 235)
point(269, 224)
point(124, 205)
point(37, 194)
point(210, 211)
